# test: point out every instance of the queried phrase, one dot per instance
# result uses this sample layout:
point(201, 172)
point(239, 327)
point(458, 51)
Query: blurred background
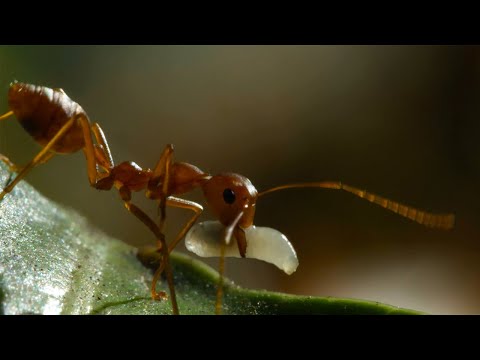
point(399, 121)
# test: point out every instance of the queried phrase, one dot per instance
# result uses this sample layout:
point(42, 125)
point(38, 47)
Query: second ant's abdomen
point(43, 111)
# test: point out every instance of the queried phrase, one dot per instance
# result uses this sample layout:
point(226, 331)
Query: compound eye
point(229, 196)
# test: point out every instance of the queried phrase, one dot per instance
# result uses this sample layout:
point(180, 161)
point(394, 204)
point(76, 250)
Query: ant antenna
point(439, 221)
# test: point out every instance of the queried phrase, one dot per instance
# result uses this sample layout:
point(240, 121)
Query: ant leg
point(15, 168)
point(144, 218)
point(221, 266)
point(89, 150)
point(183, 204)
point(221, 271)
point(161, 169)
point(103, 155)
point(162, 164)
point(6, 160)
point(39, 158)
point(102, 140)
point(95, 154)
point(102, 162)
point(6, 115)
point(47, 157)
point(11, 166)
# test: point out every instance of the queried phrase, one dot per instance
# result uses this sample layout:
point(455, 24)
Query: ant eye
point(228, 196)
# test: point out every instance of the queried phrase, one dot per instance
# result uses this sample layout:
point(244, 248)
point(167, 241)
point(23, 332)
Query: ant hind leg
point(6, 115)
point(11, 166)
point(43, 156)
point(106, 155)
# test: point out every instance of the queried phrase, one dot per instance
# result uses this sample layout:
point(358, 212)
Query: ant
point(61, 126)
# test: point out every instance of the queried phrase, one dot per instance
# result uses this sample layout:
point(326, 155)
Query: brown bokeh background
point(400, 121)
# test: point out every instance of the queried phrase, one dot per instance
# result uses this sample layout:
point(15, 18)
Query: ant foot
point(162, 295)
point(11, 166)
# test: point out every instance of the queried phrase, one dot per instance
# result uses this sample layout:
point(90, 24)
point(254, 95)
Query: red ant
point(60, 125)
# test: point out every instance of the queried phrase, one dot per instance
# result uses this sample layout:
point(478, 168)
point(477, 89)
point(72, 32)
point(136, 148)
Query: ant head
point(229, 194)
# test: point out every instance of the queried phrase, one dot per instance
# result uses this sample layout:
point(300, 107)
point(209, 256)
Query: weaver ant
point(61, 126)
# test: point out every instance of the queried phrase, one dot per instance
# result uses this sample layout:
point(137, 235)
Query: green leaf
point(52, 261)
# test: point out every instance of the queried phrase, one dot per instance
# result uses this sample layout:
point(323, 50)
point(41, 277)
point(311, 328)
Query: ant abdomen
point(43, 111)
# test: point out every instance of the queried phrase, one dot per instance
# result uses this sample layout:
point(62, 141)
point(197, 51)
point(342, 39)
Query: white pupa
point(263, 243)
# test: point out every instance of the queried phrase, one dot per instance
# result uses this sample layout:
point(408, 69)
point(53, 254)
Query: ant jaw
point(228, 195)
point(266, 244)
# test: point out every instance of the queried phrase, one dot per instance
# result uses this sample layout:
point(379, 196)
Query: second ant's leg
point(144, 218)
point(39, 158)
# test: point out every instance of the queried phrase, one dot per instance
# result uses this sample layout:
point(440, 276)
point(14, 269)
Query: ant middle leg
point(125, 194)
point(183, 204)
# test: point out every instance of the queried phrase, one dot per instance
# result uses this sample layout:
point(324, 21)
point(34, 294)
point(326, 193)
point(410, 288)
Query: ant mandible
point(61, 126)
